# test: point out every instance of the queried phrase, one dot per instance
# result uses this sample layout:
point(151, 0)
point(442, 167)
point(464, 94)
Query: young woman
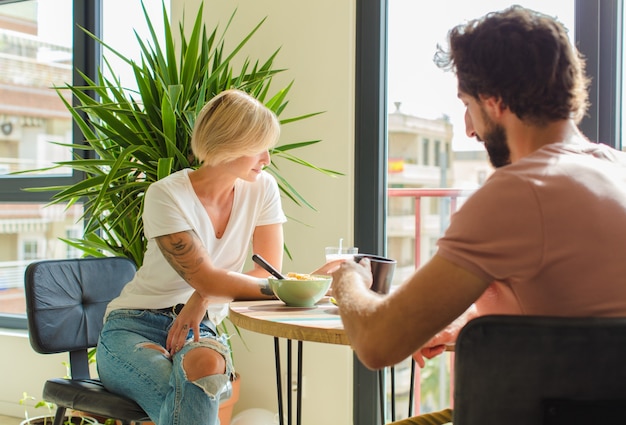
point(159, 345)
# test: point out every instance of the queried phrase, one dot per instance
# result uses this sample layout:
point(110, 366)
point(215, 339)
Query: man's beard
point(495, 143)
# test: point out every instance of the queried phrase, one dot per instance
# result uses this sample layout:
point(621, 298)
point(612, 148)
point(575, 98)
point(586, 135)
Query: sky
point(118, 30)
point(414, 30)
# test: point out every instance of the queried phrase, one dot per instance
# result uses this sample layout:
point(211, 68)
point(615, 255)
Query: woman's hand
point(188, 319)
point(329, 267)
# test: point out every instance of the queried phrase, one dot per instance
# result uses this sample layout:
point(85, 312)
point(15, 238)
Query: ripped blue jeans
point(130, 363)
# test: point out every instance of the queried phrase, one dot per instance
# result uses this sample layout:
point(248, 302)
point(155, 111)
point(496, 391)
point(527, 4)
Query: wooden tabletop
point(320, 323)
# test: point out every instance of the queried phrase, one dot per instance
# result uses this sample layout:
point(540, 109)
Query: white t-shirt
point(171, 206)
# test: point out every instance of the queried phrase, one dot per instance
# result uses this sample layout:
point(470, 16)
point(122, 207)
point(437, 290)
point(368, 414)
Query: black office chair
point(520, 370)
point(65, 304)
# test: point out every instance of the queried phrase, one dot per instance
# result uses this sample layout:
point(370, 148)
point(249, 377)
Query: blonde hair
point(231, 125)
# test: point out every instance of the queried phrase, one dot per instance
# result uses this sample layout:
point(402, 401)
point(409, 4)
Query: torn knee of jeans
point(212, 385)
point(153, 346)
point(218, 346)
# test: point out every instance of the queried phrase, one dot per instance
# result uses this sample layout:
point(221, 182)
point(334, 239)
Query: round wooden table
point(320, 323)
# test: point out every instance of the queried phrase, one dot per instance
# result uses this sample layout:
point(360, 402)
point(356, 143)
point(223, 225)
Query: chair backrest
point(66, 300)
point(540, 370)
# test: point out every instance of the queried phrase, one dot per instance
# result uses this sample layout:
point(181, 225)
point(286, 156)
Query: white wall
point(317, 49)
point(317, 41)
point(23, 370)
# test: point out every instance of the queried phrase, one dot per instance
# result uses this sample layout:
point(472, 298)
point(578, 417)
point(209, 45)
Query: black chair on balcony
point(520, 370)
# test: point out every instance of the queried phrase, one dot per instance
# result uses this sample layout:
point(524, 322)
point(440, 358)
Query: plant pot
point(49, 420)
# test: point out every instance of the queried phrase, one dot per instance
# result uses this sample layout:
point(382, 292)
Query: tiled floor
point(6, 420)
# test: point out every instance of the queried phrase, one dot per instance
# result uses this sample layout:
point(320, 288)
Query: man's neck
point(524, 139)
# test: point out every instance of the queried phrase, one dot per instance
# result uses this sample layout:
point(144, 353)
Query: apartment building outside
point(33, 119)
point(420, 155)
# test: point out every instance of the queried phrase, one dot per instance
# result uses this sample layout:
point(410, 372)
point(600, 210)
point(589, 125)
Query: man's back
point(551, 230)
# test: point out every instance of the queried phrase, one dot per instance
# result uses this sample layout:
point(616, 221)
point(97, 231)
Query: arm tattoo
point(265, 287)
point(183, 251)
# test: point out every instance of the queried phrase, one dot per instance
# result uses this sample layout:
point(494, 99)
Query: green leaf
point(164, 168)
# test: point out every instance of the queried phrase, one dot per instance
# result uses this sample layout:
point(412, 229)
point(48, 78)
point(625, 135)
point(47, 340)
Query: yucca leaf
point(164, 168)
point(299, 118)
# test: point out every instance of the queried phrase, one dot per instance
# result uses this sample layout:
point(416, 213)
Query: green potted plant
point(135, 137)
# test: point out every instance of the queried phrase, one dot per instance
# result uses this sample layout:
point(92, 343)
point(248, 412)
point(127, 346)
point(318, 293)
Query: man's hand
point(428, 352)
point(350, 273)
point(445, 338)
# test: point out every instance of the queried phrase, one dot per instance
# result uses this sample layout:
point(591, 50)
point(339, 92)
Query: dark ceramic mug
point(382, 271)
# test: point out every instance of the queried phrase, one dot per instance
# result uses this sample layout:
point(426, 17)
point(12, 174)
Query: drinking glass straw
point(340, 243)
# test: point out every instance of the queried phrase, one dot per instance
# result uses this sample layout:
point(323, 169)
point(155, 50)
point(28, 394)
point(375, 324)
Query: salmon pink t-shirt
point(549, 231)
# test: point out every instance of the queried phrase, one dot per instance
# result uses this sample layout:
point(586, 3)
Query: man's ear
point(494, 106)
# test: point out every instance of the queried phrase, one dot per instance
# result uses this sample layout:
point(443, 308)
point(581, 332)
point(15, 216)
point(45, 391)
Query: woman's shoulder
point(176, 179)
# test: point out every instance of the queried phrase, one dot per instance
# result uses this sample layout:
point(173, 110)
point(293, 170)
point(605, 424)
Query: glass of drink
point(337, 252)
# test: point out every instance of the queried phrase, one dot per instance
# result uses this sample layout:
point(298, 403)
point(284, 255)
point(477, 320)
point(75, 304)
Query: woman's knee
point(201, 362)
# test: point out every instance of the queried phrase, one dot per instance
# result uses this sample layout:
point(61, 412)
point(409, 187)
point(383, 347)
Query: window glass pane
point(30, 232)
point(35, 55)
point(427, 144)
point(428, 149)
point(118, 31)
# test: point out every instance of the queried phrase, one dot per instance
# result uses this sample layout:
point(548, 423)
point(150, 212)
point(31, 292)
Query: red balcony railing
point(414, 386)
point(418, 194)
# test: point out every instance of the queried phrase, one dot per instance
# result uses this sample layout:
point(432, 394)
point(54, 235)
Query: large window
point(424, 109)
point(415, 87)
point(36, 54)
point(42, 47)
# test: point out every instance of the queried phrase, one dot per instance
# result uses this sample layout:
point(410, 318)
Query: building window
point(425, 152)
point(30, 249)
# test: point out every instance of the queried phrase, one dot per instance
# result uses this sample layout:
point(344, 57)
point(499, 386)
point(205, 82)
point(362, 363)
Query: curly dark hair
point(524, 58)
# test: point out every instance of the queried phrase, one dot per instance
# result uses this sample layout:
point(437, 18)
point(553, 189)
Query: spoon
point(267, 266)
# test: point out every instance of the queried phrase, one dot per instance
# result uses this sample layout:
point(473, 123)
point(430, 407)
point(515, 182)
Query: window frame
point(370, 164)
point(599, 23)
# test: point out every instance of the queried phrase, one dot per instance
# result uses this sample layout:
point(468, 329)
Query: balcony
point(413, 227)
